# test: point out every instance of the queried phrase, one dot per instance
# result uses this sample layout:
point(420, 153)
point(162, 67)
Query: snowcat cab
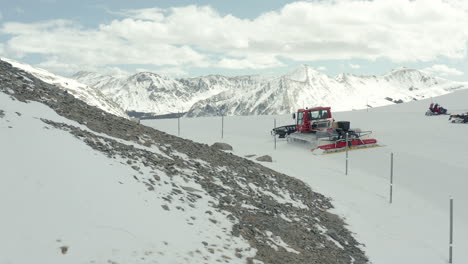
point(313, 119)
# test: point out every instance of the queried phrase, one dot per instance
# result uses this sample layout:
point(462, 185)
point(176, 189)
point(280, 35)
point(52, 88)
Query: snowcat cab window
point(315, 114)
point(300, 116)
point(319, 114)
point(324, 113)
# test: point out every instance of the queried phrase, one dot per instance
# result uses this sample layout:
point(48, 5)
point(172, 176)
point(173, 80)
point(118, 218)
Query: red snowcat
point(317, 127)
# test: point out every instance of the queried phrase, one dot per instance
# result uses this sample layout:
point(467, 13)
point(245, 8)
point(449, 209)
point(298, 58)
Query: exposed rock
point(2, 113)
point(222, 146)
point(264, 158)
point(64, 249)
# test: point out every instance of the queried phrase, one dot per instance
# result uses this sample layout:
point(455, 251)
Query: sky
point(181, 38)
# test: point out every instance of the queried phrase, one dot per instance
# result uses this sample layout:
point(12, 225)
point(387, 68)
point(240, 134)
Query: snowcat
point(317, 127)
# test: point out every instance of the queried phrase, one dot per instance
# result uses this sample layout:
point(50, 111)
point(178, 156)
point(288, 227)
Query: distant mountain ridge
point(257, 95)
point(80, 91)
point(151, 93)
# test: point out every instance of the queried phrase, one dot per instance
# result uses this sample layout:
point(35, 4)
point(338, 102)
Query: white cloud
point(53, 64)
point(152, 14)
point(322, 68)
point(398, 30)
point(250, 62)
point(172, 72)
point(442, 70)
point(354, 66)
point(114, 71)
point(68, 42)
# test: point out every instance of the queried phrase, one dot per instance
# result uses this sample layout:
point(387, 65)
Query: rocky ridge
point(280, 217)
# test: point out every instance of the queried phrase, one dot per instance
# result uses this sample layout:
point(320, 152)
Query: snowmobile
point(316, 126)
point(435, 109)
point(461, 118)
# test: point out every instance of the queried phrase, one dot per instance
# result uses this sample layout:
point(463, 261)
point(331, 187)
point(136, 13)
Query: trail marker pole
point(391, 177)
point(274, 136)
point(222, 125)
point(451, 230)
point(178, 123)
point(346, 173)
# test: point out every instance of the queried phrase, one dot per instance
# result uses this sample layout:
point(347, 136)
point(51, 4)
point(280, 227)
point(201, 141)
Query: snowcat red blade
point(353, 144)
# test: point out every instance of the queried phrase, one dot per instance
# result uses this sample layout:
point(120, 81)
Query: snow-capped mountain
point(305, 87)
point(152, 93)
point(256, 95)
point(81, 91)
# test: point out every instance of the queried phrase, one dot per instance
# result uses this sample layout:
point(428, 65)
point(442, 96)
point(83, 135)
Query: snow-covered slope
point(81, 91)
point(255, 95)
point(57, 192)
point(429, 166)
point(79, 185)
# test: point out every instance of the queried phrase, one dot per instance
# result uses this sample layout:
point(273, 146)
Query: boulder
point(222, 146)
point(265, 158)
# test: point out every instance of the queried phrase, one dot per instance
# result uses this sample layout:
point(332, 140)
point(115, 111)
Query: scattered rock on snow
point(190, 189)
point(222, 146)
point(265, 158)
point(64, 249)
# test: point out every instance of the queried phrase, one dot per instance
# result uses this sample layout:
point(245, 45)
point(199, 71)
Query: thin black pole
point(274, 126)
point(346, 173)
point(451, 231)
point(391, 177)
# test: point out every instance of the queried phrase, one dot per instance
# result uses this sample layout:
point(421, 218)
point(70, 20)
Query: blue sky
point(182, 38)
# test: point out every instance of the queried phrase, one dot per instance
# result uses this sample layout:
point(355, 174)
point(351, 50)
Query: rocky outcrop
point(222, 146)
point(264, 158)
point(280, 216)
